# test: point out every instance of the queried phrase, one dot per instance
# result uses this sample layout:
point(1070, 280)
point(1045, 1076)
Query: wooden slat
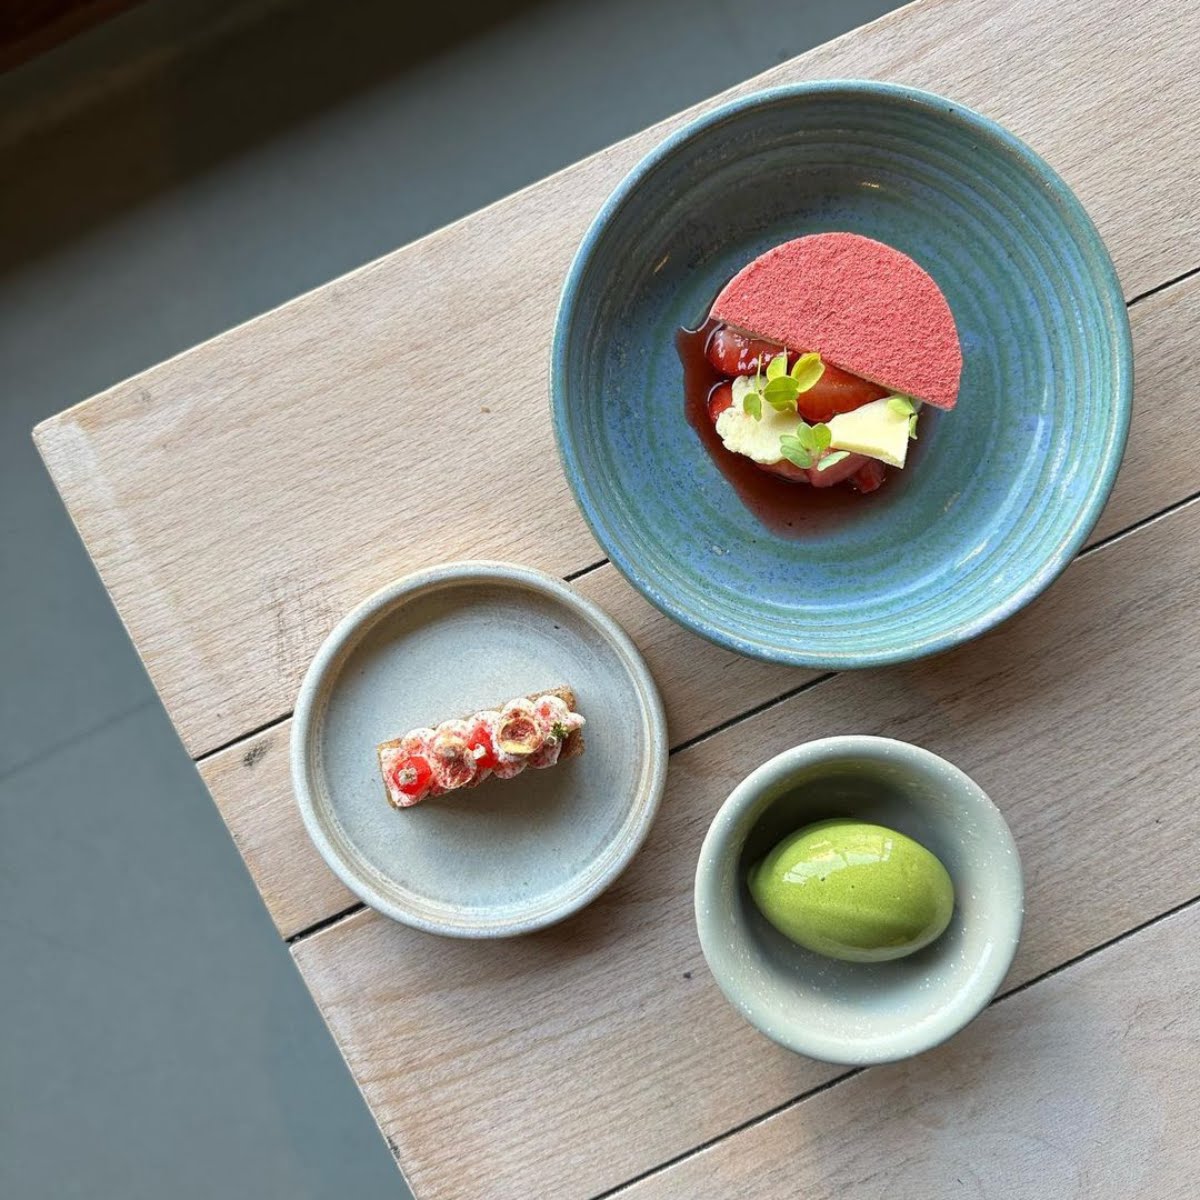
point(567, 1062)
point(238, 499)
point(701, 684)
point(252, 785)
point(1162, 460)
point(1087, 1084)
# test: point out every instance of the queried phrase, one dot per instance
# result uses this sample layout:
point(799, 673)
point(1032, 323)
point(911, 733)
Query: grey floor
point(161, 179)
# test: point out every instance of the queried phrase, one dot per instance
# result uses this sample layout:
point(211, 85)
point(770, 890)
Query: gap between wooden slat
point(1132, 528)
point(830, 1084)
point(320, 926)
point(1161, 287)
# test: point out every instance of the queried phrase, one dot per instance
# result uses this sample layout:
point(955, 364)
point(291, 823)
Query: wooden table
point(239, 498)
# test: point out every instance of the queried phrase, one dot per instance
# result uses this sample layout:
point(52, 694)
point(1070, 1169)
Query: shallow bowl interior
point(853, 1012)
point(509, 856)
point(999, 494)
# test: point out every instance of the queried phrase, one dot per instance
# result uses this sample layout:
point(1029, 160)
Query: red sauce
point(791, 510)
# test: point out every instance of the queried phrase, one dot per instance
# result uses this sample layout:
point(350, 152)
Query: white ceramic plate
point(508, 856)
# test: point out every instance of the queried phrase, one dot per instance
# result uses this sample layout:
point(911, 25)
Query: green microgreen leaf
point(822, 436)
point(752, 405)
point(902, 406)
point(830, 459)
point(794, 452)
point(777, 366)
point(806, 437)
point(807, 371)
point(781, 393)
point(912, 427)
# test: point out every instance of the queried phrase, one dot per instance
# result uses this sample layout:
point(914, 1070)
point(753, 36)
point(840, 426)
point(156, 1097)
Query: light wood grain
point(565, 1063)
point(1085, 1085)
point(1162, 459)
point(238, 499)
point(234, 502)
point(252, 786)
point(702, 685)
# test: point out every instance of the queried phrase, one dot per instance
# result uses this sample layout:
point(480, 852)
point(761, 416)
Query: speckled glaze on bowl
point(509, 856)
point(1000, 493)
point(860, 1013)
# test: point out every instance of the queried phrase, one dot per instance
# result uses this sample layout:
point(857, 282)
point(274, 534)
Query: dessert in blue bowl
point(1013, 458)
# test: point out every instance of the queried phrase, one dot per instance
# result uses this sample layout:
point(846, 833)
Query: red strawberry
point(734, 353)
point(479, 743)
point(411, 776)
point(869, 476)
point(836, 392)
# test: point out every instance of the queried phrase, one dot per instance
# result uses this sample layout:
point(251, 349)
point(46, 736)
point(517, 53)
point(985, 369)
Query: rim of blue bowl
point(1075, 218)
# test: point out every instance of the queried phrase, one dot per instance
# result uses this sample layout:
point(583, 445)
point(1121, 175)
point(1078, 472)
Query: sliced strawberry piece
point(870, 475)
point(841, 470)
point(411, 776)
point(836, 392)
point(479, 743)
point(785, 470)
point(734, 353)
point(719, 400)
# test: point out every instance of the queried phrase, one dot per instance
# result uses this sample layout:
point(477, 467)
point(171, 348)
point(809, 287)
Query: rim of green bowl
point(962, 1005)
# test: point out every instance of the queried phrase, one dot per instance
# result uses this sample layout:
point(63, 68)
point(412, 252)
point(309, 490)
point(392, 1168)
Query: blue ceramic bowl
point(999, 494)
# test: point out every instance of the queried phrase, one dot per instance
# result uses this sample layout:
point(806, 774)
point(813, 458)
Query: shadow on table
point(180, 114)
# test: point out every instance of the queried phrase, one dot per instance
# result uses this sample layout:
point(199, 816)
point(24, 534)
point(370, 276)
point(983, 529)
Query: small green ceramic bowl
point(859, 1013)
